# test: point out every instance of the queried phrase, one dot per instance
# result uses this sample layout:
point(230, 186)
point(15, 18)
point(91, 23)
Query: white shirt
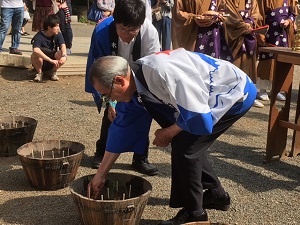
point(149, 42)
point(12, 4)
point(201, 88)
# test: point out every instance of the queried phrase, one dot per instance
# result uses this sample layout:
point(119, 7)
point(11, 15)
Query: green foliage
point(83, 19)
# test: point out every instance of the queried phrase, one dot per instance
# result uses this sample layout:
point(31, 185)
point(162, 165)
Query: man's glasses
point(106, 98)
point(132, 31)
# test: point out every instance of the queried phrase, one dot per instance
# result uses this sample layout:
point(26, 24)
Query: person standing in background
point(107, 7)
point(65, 23)
point(12, 11)
point(29, 4)
point(280, 16)
point(163, 21)
point(25, 19)
point(197, 25)
point(69, 2)
point(42, 9)
point(244, 17)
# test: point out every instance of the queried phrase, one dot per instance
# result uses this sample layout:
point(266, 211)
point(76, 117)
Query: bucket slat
point(50, 173)
point(11, 138)
point(112, 212)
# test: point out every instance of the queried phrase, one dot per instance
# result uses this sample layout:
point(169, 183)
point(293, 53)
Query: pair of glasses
point(132, 31)
point(106, 98)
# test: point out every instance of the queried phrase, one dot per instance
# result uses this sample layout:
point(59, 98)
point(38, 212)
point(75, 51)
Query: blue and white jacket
point(200, 90)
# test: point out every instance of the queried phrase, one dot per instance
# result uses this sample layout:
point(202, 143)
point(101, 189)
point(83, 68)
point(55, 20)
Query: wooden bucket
point(15, 131)
point(51, 164)
point(124, 199)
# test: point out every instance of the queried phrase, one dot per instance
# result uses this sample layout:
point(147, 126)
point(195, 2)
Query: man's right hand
point(99, 179)
point(96, 185)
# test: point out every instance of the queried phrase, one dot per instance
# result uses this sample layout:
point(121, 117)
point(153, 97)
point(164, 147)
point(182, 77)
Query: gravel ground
point(261, 193)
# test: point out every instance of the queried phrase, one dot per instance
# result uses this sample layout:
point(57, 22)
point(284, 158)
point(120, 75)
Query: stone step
point(12, 60)
point(72, 69)
point(74, 66)
point(70, 73)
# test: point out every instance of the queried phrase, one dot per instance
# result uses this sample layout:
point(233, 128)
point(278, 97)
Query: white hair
point(106, 68)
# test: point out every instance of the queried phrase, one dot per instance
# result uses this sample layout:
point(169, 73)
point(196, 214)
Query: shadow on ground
point(53, 209)
point(17, 74)
point(254, 181)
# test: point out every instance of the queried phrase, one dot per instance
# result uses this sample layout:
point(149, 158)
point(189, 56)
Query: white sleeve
point(148, 10)
point(149, 39)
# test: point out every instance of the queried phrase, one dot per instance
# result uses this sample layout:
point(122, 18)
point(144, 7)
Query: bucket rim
point(35, 142)
point(71, 188)
point(27, 117)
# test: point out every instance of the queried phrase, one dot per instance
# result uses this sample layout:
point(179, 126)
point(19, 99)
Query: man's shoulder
point(39, 33)
point(104, 24)
point(59, 35)
point(148, 28)
point(101, 32)
point(38, 37)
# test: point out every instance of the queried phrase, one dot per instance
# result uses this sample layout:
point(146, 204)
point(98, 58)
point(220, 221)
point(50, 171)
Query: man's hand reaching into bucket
point(98, 181)
point(95, 186)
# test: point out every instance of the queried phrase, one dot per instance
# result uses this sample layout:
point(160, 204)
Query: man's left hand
point(164, 136)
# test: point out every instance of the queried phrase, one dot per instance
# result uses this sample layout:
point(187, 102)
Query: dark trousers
point(163, 27)
point(101, 143)
point(65, 28)
point(191, 170)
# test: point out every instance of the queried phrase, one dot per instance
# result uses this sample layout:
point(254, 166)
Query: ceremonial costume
point(274, 12)
point(186, 33)
point(243, 14)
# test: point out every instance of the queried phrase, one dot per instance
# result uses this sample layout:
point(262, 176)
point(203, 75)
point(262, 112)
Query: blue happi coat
point(195, 90)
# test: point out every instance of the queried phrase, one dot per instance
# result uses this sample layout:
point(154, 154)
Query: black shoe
point(212, 202)
point(185, 216)
point(96, 161)
point(25, 34)
point(143, 166)
point(15, 51)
